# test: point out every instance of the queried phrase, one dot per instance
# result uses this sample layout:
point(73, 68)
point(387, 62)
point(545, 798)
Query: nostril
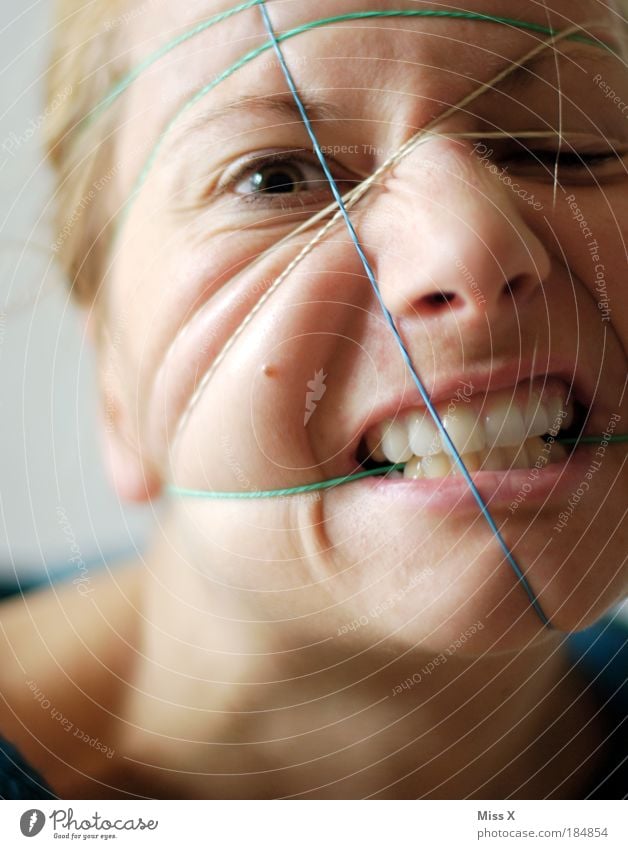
point(435, 300)
point(517, 287)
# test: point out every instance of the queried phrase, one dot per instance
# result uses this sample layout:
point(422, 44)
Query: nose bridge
point(449, 234)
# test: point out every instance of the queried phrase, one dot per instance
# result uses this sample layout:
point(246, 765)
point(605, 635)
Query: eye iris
point(279, 178)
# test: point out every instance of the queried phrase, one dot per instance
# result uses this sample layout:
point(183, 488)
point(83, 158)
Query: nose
point(451, 237)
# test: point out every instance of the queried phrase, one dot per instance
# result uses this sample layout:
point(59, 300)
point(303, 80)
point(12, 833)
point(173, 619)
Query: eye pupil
point(276, 179)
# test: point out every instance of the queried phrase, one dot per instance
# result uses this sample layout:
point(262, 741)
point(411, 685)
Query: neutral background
point(54, 500)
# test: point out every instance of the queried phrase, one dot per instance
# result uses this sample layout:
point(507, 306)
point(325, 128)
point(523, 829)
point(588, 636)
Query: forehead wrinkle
point(283, 105)
point(524, 76)
point(250, 26)
point(247, 27)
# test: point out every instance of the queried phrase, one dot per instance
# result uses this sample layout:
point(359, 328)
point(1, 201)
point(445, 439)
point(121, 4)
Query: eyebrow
point(573, 54)
point(280, 105)
point(283, 106)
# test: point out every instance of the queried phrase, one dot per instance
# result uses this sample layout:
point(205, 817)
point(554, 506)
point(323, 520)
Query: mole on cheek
point(269, 370)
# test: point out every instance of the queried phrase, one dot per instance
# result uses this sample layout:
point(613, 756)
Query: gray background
point(56, 508)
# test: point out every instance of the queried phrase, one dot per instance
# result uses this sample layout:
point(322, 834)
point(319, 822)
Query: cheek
point(224, 407)
point(589, 234)
point(175, 307)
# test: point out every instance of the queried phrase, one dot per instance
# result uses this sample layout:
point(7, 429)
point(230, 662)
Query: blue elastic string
point(389, 319)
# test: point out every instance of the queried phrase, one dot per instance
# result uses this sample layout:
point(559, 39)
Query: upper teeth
point(477, 426)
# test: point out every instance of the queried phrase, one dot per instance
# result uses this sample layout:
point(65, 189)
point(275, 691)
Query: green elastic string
point(253, 54)
point(593, 440)
point(121, 86)
point(281, 493)
point(333, 482)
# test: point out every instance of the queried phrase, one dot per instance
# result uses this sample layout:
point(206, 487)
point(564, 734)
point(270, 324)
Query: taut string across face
point(340, 209)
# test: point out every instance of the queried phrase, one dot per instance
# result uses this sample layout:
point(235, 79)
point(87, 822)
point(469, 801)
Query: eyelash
point(290, 157)
point(545, 159)
point(540, 163)
point(570, 159)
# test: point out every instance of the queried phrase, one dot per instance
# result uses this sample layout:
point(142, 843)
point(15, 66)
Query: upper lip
point(481, 379)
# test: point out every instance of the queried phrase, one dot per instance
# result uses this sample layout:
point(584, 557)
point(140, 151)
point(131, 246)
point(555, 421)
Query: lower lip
point(529, 487)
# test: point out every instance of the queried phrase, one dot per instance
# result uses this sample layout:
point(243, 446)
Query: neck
point(286, 714)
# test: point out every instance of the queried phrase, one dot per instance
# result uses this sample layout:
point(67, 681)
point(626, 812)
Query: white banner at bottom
point(314, 824)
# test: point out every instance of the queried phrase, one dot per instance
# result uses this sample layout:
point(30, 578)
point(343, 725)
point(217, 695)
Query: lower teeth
point(534, 453)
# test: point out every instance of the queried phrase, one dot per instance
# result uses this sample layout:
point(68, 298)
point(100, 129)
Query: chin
point(432, 584)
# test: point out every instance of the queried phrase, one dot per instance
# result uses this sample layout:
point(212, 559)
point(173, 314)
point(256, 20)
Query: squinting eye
point(573, 160)
point(573, 165)
point(282, 177)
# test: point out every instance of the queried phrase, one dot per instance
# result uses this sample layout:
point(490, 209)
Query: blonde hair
point(83, 67)
point(86, 61)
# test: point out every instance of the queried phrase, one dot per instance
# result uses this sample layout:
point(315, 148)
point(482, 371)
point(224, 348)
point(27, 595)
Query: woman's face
point(500, 260)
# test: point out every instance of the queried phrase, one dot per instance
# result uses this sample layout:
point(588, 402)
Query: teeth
point(494, 460)
point(554, 409)
point(535, 417)
point(424, 438)
point(569, 413)
point(532, 451)
point(472, 460)
point(373, 446)
point(538, 451)
point(465, 430)
point(395, 443)
point(413, 469)
point(516, 457)
point(558, 453)
point(497, 432)
point(436, 466)
point(503, 422)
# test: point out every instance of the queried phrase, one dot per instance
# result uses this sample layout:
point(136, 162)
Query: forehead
point(194, 61)
point(476, 48)
point(158, 20)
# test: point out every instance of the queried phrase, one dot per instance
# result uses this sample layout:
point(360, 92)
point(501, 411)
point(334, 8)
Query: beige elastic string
point(352, 197)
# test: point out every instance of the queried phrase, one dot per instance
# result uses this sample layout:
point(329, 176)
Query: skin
point(218, 666)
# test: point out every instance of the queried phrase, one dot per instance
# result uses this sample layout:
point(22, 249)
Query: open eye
point(281, 176)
